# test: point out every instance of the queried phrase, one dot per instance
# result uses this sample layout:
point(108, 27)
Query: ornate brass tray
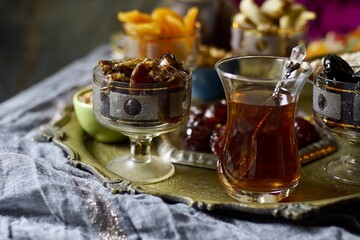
point(199, 186)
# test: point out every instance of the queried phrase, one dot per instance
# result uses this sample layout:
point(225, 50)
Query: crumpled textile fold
point(43, 196)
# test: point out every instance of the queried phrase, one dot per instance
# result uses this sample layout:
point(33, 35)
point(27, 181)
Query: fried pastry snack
point(161, 31)
point(162, 21)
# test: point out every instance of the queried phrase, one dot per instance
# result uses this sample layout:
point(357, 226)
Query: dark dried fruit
point(125, 67)
point(306, 133)
point(144, 70)
point(197, 138)
point(356, 76)
point(215, 113)
point(118, 70)
point(195, 115)
point(170, 60)
point(216, 139)
point(201, 124)
point(338, 69)
point(206, 126)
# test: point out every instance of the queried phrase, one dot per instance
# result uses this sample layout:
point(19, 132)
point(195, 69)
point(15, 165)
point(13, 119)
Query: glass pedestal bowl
point(141, 113)
point(336, 108)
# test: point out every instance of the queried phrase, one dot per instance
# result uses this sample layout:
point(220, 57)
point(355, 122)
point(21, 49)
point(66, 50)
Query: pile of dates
point(144, 70)
point(336, 68)
point(205, 128)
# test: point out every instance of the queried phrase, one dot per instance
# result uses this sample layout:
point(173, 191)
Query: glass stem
point(140, 150)
point(355, 153)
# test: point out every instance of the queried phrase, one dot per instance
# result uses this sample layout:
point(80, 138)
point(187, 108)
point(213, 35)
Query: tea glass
point(259, 160)
point(336, 107)
point(141, 113)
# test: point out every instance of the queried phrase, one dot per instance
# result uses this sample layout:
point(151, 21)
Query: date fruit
point(336, 68)
point(205, 128)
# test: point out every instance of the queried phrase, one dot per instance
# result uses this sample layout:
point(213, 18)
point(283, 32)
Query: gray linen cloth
point(43, 196)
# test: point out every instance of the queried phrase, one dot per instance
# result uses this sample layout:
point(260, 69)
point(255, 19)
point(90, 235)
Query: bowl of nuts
point(272, 28)
point(83, 106)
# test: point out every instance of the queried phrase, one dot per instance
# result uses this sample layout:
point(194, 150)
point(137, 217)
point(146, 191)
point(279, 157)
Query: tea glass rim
point(305, 65)
point(139, 86)
point(279, 31)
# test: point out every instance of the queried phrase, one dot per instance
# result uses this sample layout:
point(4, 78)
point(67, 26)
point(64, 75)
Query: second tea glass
point(141, 113)
point(259, 160)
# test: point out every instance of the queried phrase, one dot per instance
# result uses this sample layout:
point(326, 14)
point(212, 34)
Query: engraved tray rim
point(69, 136)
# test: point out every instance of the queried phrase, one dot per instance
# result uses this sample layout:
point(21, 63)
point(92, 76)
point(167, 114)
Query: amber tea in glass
point(259, 160)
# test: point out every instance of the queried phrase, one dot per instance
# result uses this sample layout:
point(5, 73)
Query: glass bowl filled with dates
point(336, 105)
